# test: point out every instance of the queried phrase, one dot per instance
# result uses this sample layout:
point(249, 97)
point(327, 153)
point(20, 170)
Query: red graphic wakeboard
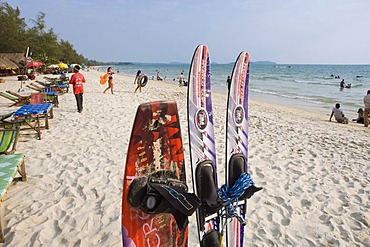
point(155, 146)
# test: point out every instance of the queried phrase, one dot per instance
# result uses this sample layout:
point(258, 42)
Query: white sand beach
point(315, 173)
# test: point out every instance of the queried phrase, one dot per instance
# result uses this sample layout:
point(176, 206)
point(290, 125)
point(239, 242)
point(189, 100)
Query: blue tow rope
point(230, 196)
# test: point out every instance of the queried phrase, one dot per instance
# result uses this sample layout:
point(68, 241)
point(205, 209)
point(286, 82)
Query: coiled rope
point(230, 197)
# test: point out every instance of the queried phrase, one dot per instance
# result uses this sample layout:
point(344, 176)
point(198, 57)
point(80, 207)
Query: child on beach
point(110, 80)
point(158, 77)
point(181, 79)
point(77, 80)
point(228, 82)
point(338, 114)
point(360, 117)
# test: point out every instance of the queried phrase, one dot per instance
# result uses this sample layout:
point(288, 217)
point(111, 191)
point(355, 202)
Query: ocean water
point(312, 87)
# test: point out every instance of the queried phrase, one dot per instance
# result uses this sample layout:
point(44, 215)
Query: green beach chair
point(8, 140)
point(34, 88)
point(10, 164)
point(17, 100)
point(12, 123)
point(4, 116)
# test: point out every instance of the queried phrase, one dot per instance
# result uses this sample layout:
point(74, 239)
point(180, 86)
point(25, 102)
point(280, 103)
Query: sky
point(163, 31)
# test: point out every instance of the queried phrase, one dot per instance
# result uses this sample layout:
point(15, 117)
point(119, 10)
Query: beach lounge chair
point(35, 87)
point(31, 117)
point(47, 94)
point(10, 164)
point(18, 101)
point(4, 116)
point(8, 140)
point(44, 84)
point(54, 88)
point(61, 80)
point(53, 79)
point(62, 85)
point(18, 95)
point(6, 121)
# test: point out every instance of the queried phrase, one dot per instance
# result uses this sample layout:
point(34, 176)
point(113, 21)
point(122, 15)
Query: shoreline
point(316, 91)
point(314, 172)
point(318, 109)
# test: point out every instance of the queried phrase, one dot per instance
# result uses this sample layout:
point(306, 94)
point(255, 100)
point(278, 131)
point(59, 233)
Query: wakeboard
point(155, 167)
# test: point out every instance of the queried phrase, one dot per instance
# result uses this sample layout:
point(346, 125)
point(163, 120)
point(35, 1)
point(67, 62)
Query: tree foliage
point(11, 29)
point(16, 36)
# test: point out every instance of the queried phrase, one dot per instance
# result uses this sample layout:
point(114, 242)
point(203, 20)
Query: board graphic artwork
point(202, 146)
point(155, 202)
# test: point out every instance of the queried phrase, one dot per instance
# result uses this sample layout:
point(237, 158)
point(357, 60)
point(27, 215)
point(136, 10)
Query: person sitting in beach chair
point(338, 114)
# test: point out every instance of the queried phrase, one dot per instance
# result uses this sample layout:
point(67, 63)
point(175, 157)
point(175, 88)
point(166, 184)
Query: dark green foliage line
point(16, 36)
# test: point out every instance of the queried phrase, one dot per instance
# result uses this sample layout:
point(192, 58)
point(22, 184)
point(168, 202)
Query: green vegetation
point(16, 36)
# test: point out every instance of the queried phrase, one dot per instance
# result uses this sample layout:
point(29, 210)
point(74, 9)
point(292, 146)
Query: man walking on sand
point(367, 108)
point(78, 89)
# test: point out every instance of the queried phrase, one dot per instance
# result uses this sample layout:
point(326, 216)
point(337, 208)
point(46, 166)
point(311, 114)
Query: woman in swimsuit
point(110, 80)
point(137, 81)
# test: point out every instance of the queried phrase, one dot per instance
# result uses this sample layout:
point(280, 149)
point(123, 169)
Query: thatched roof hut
point(6, 63)
point(12, 59)
point(12, 63)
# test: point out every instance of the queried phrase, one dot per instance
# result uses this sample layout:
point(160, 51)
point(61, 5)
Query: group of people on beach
point(363, 114)
point(77, 80)
point(111, 83)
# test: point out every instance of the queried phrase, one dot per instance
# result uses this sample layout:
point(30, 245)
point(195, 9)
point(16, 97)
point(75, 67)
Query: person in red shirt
point(77, 80)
